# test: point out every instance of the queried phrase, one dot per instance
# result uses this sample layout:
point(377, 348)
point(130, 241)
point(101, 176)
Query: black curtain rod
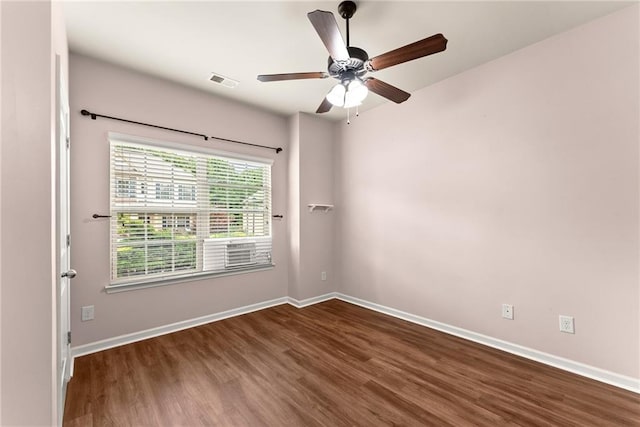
point(206, 138)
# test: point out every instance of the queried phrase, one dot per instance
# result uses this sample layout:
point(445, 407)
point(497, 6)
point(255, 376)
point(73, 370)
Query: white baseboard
point(97, 346)
point(310, 301)
point(108, 343)
point(612, 378)
point(608, 377)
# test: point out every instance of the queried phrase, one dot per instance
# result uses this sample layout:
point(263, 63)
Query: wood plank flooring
point(330, 364)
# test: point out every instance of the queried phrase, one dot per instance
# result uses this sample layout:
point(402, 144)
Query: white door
point(63, 236)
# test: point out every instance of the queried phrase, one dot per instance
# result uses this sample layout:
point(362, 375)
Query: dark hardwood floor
point(331, 364)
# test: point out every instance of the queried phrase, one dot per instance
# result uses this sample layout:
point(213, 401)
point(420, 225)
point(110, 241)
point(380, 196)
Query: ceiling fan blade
point(385, 89)
point(324, 107)
point(430, 45)
point(291, 76)
point(327, 28)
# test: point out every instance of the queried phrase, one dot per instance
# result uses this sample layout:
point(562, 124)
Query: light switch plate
point(88, 313)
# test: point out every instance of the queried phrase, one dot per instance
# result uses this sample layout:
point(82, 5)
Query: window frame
point(145, 281)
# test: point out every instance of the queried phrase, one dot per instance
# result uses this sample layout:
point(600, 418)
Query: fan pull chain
point(357, 111)
point(348, 120)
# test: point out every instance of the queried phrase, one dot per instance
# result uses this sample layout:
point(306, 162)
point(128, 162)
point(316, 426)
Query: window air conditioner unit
point(240, 254)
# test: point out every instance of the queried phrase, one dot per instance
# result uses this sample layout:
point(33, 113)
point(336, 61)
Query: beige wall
point(111, 90)
point(32, 34)
point(310, 181)
point(316, 228)
point(515, 182)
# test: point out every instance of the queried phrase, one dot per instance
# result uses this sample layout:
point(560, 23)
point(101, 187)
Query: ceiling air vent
point(224, 81)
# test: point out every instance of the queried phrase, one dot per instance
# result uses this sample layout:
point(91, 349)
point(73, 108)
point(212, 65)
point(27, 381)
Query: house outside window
point(186, 192)
point(177, 222)
point(209, 213)
point(164, 191)
point(126, 188)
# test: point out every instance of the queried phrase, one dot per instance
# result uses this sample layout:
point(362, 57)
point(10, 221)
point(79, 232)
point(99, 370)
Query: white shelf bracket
point(319, 207)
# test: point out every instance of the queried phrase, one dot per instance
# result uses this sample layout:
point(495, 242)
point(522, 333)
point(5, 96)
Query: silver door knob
point(70, 274)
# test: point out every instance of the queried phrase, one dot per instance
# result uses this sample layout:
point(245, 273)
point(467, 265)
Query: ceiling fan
point(350, 64)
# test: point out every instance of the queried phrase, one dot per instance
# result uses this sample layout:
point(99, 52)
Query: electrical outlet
point(323, 275)
point(566, 324)
point(87, 313)
point(507, 311)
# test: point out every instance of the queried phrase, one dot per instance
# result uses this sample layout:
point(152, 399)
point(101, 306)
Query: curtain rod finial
point(87, 113)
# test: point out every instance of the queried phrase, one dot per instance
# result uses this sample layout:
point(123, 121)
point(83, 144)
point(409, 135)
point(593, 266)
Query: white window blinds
point(176, 213)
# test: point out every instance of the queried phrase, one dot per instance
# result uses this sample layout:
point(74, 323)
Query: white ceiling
point(187, 41)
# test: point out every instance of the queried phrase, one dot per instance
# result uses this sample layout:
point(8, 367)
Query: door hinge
point(68, 240)
point(69, 337)
point(68, 142)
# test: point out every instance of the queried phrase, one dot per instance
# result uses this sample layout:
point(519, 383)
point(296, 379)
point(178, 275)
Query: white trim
point(608, 377)
point(172, 280)
point(108, 343)
point(310, 301)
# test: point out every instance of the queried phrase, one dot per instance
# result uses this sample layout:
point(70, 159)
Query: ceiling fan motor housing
point(355, 64)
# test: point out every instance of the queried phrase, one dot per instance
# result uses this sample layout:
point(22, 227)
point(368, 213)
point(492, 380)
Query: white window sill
point(153, 283)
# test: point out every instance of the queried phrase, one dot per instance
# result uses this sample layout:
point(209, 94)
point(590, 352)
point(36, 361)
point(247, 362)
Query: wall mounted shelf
point(319, 207)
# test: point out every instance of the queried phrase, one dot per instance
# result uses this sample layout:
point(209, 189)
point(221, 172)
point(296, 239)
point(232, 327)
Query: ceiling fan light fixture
point(356, 93)
point(337, 95)
point(348, 94)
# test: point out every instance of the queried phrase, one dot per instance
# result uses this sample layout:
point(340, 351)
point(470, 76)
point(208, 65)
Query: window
point(179, 221)
point(218, 219)
point(183, 222)
point(126, 188)
point(186, 192)
point(164, 191)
